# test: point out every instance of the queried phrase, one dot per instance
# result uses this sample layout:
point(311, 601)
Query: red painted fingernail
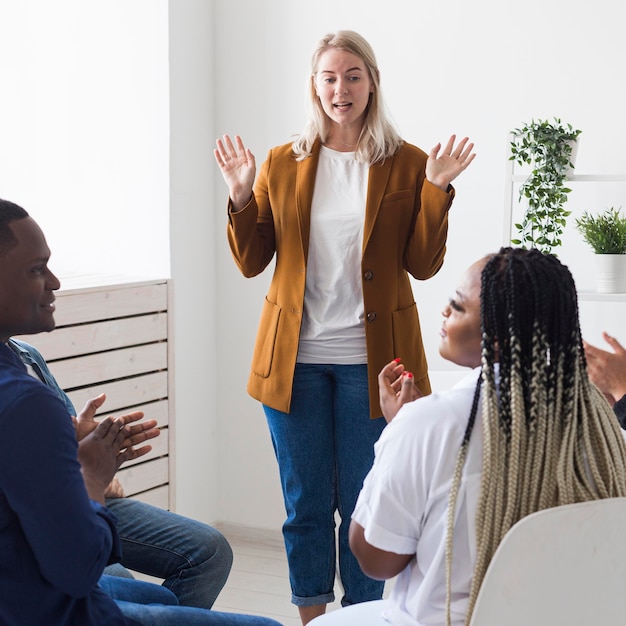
point(397, 360)
point(409, 375)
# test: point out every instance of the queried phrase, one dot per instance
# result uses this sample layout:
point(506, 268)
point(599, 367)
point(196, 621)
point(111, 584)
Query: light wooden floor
point(259, 582)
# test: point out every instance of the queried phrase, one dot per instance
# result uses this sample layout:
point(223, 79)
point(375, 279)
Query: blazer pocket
point(398, 196)
point(407, 335)
point(263, 354)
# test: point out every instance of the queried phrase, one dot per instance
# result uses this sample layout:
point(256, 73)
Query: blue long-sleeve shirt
point(54, 540)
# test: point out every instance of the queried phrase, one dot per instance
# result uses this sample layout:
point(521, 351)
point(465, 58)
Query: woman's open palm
point(238, 168)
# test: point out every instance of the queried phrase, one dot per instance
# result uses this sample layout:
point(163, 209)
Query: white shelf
point(580, 178)
point(511, 194)
point(595, 296)
point(511, 199)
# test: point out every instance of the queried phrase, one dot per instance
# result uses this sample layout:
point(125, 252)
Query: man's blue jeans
point(192, 558)
point(126, 589)
point(154, 605)
point(325, 448)
point(164, 615)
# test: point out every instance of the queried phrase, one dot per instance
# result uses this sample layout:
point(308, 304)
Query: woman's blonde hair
point(549, 436)
point(379, 139)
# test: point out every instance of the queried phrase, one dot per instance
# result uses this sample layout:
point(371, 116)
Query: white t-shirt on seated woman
point(403, 505)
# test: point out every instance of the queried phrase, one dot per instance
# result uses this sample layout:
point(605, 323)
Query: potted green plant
point(606, 235)
point(548, 148)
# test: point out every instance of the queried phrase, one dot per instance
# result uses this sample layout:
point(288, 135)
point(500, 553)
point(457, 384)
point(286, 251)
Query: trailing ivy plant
point(547, 146)
point(605, 232)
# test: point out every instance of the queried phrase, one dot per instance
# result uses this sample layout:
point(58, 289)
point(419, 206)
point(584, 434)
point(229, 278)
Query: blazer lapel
point(305, 184)
point(377, 184)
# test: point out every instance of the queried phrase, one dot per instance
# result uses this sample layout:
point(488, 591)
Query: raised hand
point(85, 422)
point(396, 387)
point(137, 433)
point(442, 169)
point(100, 456)
point(607, 370)
point(238, 168)
point(111, 443)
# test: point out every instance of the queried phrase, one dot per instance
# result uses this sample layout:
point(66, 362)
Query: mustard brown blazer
point(406, 226)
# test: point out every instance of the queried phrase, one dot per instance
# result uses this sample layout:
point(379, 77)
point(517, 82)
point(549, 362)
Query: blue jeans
point(164, 615)
point(154, 605)
point(325, 448)
point(138, 591)
point(192, 558)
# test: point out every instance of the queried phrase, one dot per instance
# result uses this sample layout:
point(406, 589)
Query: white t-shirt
point(333, 328)
point(404, 502)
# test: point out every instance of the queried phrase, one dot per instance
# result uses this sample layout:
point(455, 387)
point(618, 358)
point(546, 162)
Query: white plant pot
point(611, 273)
point(572, 158)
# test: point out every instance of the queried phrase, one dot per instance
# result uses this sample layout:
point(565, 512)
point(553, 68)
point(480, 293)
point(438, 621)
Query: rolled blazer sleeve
point(250, 232)
point(426, 247)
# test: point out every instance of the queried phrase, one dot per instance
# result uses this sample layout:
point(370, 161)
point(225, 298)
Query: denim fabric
point(325, 448)
point(137, 591)
point(153, 605)
point(192, 558)
point(117, 570)
point(163, 615)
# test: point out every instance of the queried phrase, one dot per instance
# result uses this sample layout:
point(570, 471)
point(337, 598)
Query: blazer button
point(371, 316)
point(368, 275)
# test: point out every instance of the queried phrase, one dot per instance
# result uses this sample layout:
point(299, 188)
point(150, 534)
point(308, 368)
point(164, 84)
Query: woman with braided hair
point(524, 431)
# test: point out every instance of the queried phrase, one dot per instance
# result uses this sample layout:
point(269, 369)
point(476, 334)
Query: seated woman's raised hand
point(396, 387)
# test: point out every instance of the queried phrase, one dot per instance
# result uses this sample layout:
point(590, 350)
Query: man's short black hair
point(9, 212)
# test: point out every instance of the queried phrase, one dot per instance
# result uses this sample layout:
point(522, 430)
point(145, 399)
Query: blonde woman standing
point(349, 210)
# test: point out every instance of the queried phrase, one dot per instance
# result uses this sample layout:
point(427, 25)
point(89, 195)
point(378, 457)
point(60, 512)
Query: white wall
point(84, 118)
point(110, 164)
point(193, 235)
point(478, 68)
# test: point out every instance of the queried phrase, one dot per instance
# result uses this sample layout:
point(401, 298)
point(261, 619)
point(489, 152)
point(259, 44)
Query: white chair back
point(565, 565)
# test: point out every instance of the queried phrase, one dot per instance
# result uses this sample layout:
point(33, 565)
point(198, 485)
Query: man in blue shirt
point(51, 560)
point(192, 558)
point(56, 534)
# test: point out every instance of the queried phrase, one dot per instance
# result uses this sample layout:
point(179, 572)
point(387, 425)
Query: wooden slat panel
point(110, 303)
point(106, 366)
point(144, 476)
point(154, 411)
point(160, 447)
point(71, 341)
point(118, 334)
point(124, 393)
point(156, 497)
